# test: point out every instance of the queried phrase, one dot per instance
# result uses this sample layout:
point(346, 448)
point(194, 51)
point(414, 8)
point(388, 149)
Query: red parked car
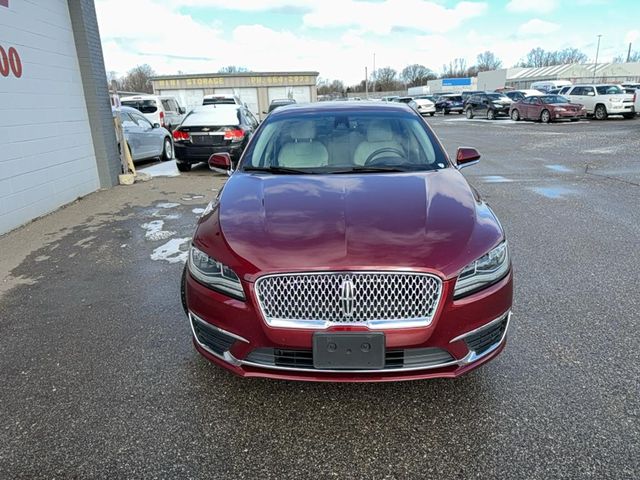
point(546, 108)
point(347, 246)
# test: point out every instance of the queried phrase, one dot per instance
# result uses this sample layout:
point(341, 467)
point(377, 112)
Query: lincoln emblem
point(347, 298)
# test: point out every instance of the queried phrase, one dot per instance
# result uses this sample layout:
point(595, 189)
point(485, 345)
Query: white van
point(163, 110)
point(546, 85)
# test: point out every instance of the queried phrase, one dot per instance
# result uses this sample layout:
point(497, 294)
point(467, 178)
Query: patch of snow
point(155, 231)
point(163, 169)
point(198, 211)
point(167, 205)
point(174, 251)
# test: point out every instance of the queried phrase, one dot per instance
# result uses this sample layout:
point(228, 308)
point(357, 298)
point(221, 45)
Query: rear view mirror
point(220, 162)
point(465, 157)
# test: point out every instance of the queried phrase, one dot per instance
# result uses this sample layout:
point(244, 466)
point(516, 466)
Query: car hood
point(273, 223)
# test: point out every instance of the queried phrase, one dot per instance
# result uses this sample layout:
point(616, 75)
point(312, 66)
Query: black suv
point(490, 105)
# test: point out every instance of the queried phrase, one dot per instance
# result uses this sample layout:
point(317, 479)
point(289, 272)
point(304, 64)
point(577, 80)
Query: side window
point(141, 121)
point(126, 120)
point(174, 105)
point(577, 91)
point(166, 105)
point(588, 91)
point(252, 120)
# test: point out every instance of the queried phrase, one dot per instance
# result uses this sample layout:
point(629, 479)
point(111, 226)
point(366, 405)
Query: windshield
point(609, 90)
point(212, 116)
point(218, 101)
point(554, 99)
point(497, 96)
point(342, 142)
point(144, 106)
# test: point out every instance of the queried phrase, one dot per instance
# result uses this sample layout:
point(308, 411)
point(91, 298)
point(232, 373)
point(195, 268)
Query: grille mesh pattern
point(374, 295)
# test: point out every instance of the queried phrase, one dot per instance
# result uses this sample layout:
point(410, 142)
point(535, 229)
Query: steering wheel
point(379, 151)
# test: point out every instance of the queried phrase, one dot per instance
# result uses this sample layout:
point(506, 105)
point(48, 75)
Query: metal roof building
point(575, 73)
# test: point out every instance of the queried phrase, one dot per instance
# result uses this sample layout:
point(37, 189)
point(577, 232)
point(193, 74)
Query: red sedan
point(347, 246)
point(546, 108)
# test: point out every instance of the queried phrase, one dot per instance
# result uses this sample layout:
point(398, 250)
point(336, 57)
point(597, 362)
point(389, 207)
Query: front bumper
point(464, 334)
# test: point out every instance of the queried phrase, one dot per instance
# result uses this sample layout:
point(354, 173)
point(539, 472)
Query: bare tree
point(487, 61)
point(633, 57)
point(138, 79)
point(416, 75)
point(456, 68)
point(327, 87)
point(539, 57)
point(386, 79)
point(233, 69)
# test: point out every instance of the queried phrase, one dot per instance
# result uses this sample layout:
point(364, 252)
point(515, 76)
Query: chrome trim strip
point(486, 325)
point(224, 332)
point(473, 356)
point(318, 370)
point(200, 344)
point(371, 324)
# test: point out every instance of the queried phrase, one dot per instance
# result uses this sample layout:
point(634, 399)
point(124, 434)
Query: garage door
point(247, 95)
point(299, 94)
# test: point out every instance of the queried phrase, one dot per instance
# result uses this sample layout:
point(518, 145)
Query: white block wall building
point(50, 108)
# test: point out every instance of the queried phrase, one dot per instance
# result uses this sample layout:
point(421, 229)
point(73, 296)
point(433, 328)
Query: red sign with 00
point(10, 62)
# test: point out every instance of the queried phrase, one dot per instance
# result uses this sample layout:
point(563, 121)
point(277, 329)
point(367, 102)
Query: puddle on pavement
point(495, 179)
point(559, 168)
point(553, 192)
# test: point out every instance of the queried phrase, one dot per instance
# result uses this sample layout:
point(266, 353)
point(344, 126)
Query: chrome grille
point(375, 299)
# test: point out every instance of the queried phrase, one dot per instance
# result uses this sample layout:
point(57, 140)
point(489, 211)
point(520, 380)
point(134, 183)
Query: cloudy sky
point(338, 38)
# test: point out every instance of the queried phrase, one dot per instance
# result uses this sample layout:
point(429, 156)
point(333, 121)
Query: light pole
point(373, 79)
point(595, 65)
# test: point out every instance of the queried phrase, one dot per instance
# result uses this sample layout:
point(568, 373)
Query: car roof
point(140, 97)
point(219, 106)
point(124, 108)
point(344, 106)
point(282, 100)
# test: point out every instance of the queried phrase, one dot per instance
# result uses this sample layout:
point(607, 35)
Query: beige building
point(256, 89)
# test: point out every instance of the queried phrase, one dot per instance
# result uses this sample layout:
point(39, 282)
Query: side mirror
point(156, 125)
point(220, 162)
point(182, 110)
point(465, 157)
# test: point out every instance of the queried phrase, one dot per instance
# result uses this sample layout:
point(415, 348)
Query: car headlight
point(214, 274)
point(485, 271)
point(560, 109)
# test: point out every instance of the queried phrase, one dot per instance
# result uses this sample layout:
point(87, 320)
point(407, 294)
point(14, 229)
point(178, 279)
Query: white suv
point(603, 100)
point(163, 110)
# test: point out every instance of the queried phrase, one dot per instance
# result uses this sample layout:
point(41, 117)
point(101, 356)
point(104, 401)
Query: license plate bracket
point(349, 351)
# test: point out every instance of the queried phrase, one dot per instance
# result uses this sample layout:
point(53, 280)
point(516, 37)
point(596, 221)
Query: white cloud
point(632, 36)
point(536, 26)
point(382, 17)
point(534, 6)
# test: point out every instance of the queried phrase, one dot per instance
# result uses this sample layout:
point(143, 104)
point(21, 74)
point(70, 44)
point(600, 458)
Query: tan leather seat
point(379, 135)
point(303, 151)
point(343, 144)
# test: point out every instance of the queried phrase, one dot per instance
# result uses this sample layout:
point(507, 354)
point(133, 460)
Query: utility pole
point(374, 72)
point(366, 83)
point(595, 65)
point(629, 53)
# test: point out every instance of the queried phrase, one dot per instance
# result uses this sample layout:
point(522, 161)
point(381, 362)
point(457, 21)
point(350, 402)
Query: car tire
point(628, 116)
point(183, 167)
point(167, 150)
point(469, 113)
point(446, 112)
point(600, 112)
point(545, 116)
point(432, 114)
point(491, 114)
point(515, 115)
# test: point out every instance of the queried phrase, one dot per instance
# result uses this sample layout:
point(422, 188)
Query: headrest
point(304, 130)
point(379, 131)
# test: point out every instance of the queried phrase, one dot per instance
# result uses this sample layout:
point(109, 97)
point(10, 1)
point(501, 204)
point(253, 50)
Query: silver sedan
point(145, 140)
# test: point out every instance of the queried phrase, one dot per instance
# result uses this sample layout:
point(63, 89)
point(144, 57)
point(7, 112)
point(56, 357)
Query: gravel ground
point(98, 377)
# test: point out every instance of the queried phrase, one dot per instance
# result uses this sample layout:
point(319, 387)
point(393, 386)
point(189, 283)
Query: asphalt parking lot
point(98, 377)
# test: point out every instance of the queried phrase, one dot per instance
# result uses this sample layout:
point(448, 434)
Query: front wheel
point(167, 151)
point(491, 114)
point(515, 115)
point(432, 114)
point(446, 112)
point(600, 112)
point(469, 113)
point(183, 167)
point(545, 116)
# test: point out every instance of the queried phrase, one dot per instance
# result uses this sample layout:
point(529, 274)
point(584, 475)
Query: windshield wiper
point(371, 169)
point(276, 169)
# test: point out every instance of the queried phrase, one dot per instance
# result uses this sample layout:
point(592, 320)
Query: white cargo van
point(546, 85)
point(160, 109)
